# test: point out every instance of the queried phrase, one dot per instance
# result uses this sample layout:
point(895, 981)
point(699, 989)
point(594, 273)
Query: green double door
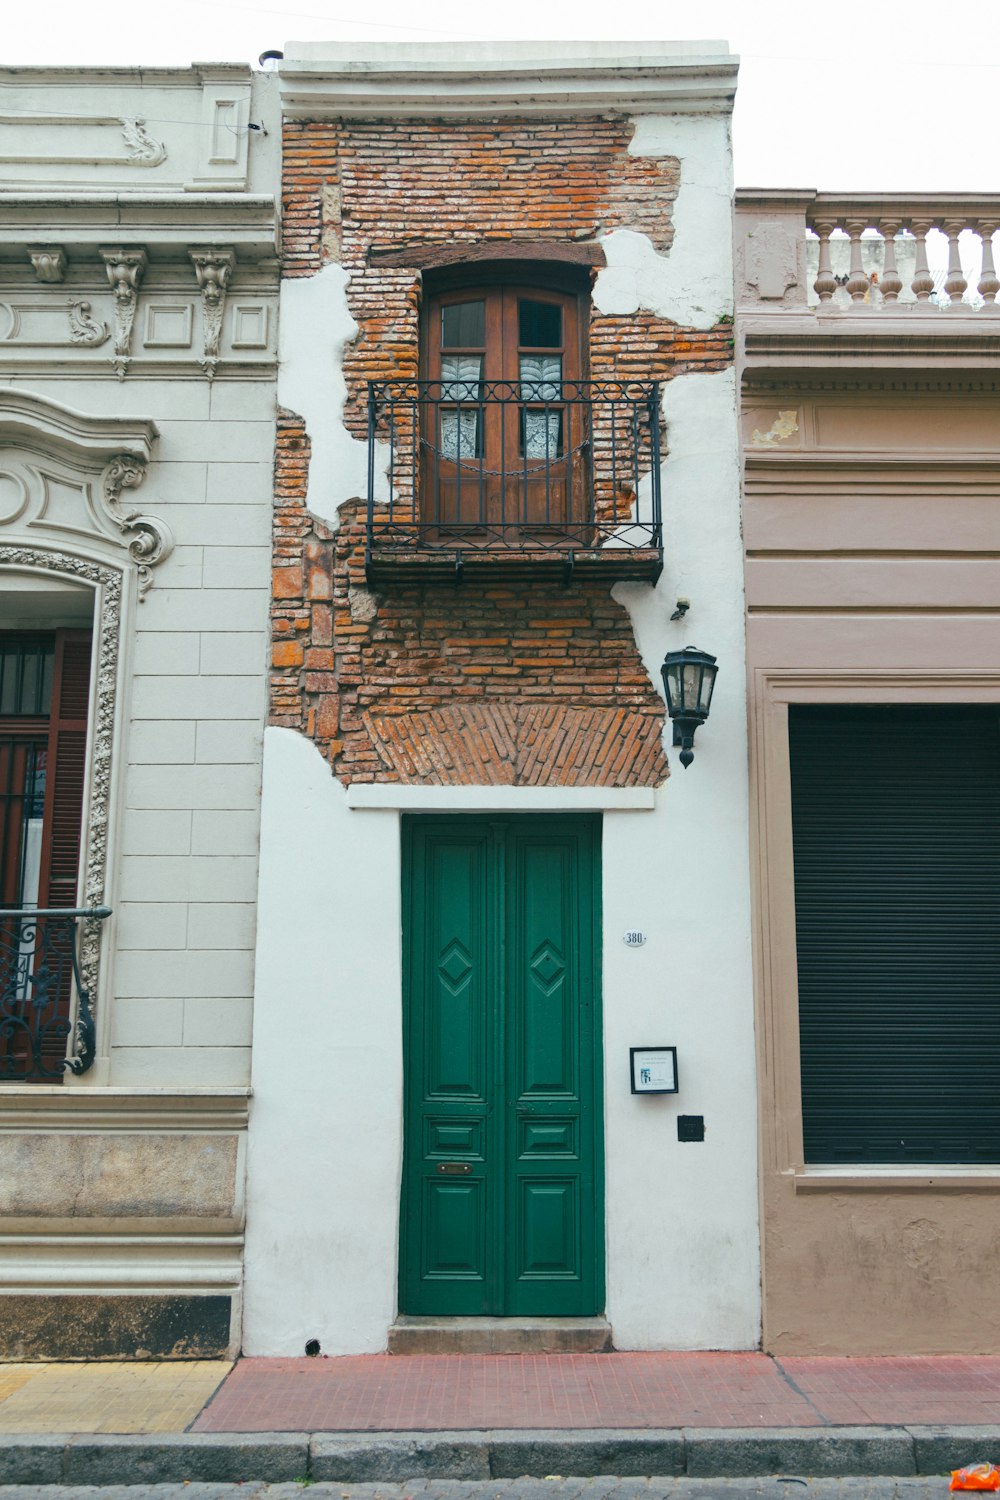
point(502, 1197)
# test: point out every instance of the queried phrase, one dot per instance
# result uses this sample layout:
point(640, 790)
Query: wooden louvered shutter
point(67, 769)
point(896, 834)
point(64, 797)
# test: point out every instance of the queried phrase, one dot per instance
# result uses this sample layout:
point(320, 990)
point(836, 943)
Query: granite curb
point(367, 1457)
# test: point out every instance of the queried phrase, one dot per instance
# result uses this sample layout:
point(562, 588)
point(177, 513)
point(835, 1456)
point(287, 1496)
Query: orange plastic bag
point(976, 1477)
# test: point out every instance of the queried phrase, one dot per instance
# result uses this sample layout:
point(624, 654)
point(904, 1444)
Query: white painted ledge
point(368, 796)
point(320, 80)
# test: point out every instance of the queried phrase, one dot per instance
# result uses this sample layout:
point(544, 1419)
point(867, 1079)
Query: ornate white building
point(137, 366)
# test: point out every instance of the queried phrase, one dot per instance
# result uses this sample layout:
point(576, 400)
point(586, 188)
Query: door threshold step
point(415, 1335)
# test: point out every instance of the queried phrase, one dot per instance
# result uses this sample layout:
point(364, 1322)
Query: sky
point(831, 96)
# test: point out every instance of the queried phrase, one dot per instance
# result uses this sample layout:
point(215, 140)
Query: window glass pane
point(541, 434)
point(539, 324)
point(25, 675)
point(463, 325)
point(460, 428)
point(460, 377)
point(460, 435)
point(22, 804)
point(541, 377)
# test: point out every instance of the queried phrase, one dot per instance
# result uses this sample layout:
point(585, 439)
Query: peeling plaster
point(691, 287)
point(315, 326)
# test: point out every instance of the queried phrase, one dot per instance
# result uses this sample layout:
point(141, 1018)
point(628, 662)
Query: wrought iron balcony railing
point(46, 1005)
point(515, 475)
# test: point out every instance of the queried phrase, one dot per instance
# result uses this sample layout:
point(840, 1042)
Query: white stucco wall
point(683, 1261)
point(326, 1123)
point(326, 1133)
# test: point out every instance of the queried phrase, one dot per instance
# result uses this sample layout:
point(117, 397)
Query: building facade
point(451, 995)
point(869, 369)
point(138, 285)
point(507, 449)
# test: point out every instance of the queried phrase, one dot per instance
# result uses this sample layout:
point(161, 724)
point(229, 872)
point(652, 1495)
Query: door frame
point(598, 1237)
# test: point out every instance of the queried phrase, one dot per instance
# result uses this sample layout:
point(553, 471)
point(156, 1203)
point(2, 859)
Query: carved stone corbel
point(49, 261)
point(150, 541)
point(125, 268)
point(213, 269)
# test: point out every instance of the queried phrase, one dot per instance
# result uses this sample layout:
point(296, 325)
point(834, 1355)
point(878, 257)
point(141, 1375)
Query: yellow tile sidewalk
point(159, 1396)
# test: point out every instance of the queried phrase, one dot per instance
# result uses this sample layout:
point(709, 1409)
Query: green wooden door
point(502, 1199)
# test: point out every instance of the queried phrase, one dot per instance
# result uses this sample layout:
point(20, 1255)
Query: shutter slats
point(64, 803)
point(896, 837)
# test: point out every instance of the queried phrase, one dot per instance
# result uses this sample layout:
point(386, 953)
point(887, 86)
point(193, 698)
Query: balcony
point(498, 479)
point(46, 1002)
point(890, 282)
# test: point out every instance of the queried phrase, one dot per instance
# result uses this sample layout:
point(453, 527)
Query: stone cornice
point(127, 77)
point(797, 344)
point(168, 223)
point(562, 79)
point(56, 1107)
point(931, 207)
point(26, 416)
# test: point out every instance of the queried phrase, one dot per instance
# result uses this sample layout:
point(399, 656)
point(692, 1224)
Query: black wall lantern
point(688, 680)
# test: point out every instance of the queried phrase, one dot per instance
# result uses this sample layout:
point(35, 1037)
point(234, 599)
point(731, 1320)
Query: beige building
point(868, 343)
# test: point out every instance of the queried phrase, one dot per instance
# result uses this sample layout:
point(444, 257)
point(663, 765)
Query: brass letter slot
point(455, 1167)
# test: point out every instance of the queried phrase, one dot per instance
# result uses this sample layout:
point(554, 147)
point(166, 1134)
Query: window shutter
point(64, 797)
point(896, 835)
point(67, 760)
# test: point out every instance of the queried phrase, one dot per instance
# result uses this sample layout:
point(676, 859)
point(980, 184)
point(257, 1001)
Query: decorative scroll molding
point(143, 151)
point(83, 329)
point(213, 269)
point(108, 631)
point(112, 450)
point(125, 268)
point(49, 261)
point(151, 540)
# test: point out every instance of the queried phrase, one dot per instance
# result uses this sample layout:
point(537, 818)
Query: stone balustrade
point(856, 252)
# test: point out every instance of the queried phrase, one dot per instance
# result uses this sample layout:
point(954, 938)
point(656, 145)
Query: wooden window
point(44, 695)
point(505, 435)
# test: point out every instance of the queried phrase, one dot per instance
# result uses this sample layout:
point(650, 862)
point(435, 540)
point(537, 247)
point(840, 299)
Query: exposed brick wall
point(521, 684)
point(361, 185)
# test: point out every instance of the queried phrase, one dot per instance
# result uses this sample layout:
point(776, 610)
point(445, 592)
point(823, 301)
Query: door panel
point(547, 1241)
point(454, 1230)
point(502, 1209)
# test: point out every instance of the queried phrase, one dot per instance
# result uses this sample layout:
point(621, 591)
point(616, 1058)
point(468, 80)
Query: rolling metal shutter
point(896, 833)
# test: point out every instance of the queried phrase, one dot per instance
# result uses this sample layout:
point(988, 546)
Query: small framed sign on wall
point(654, 1070)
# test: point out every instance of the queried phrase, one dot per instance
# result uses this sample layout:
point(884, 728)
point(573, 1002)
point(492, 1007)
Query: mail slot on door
point(454, 1168)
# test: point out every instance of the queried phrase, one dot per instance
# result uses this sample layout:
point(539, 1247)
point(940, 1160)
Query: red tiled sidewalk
point(380, 1392)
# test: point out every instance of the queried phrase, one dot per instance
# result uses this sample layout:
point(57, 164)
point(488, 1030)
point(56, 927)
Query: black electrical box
point(690, 1127)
